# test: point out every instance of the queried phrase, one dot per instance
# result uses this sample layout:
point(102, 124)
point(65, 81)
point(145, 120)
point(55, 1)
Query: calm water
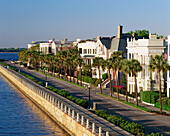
point(20, 117)
point(9, 56)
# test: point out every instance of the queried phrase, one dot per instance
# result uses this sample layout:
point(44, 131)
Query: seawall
point(73, 118)
point(59, 112)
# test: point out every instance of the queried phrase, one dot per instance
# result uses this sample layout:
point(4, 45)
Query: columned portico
point(143, 50)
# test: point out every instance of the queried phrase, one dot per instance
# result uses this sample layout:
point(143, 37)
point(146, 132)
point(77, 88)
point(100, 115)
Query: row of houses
point(132, 46)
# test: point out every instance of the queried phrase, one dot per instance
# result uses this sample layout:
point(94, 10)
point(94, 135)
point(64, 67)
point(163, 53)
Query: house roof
point(115, 44)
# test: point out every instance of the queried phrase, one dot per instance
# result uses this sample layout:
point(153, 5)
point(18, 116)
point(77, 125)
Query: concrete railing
point(54, 106)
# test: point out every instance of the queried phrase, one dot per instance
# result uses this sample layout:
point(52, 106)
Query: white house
point(88, 50)
point(29, 45)
point(103, 47)
point(53, 46)
point(46, 47)
point(142, 50)
point(168, 73)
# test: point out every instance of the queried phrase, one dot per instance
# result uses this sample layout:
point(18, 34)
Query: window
point(129, 55)
point(45, 50)
point(50, 50)
point(95, 51)
point(169, 74)
point(85, 51)
point(132, 56)
point(80, 50)
point(89, 61)
point(89, 51)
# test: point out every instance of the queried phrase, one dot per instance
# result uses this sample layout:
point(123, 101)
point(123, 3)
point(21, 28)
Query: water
point(9, 56)
point(20, 117)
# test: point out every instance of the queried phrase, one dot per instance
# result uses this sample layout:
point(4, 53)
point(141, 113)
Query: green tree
point(23, 56)
point(116, 58)
point(107, 64)
point(35, 56)
point(160, 64)
point(68, 64)
point(142, 33)
point(42, 60)
point(87, 70)
point(125, 66)
point(134, 68)
point(160, 36)
point(62, 55)
point(97, 62)
point(79, 62)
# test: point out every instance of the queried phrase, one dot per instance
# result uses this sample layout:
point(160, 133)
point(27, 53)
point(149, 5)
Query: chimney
point(53, 39)
point(119, 32)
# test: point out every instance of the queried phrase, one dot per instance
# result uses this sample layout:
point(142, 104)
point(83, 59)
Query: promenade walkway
point(151, 122)
point(99, 122)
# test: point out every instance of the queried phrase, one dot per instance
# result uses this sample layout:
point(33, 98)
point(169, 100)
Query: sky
point(24, 21)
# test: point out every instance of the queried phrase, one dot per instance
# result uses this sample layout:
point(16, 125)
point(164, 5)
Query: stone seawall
point(67, 118)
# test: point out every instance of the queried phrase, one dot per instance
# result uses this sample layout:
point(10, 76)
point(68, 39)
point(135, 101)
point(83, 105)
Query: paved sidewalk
point(123, 97)
point(151, 122)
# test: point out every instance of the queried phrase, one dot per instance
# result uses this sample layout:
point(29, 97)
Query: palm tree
point(97, 62)
point(28, 54)
point(125, 67)
point(160, 64)
point(108, 64)
point(87, 70)
point(116, 57)
point(42, 60)
point(135, 67)
point(79, 62)
point(50, 58)
point(23, 56)
point(74, 54)
point(35, 56)
point(67, 64)
point(63, 56)
point(55, 62)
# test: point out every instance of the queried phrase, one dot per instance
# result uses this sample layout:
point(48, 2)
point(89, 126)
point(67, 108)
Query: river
point(21, 117)
point(9, 55)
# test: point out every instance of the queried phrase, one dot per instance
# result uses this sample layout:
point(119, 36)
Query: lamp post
point(89, 94)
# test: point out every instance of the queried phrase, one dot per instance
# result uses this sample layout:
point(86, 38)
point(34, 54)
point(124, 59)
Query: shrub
point(105, 76)
point(41, 83)
point(87, 79)
point(97, 82)
point(165, 101)
point(50, 88)
point(72, 98)
point(82, 102)
point(149, 96)
point(102, 113)
point(133, 128)
point(164, 107)
point(155, 134)
point(63, 93)
point(92, 80)
point(55, 90)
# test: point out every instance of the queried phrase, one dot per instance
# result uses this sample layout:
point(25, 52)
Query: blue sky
point(24, 21)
